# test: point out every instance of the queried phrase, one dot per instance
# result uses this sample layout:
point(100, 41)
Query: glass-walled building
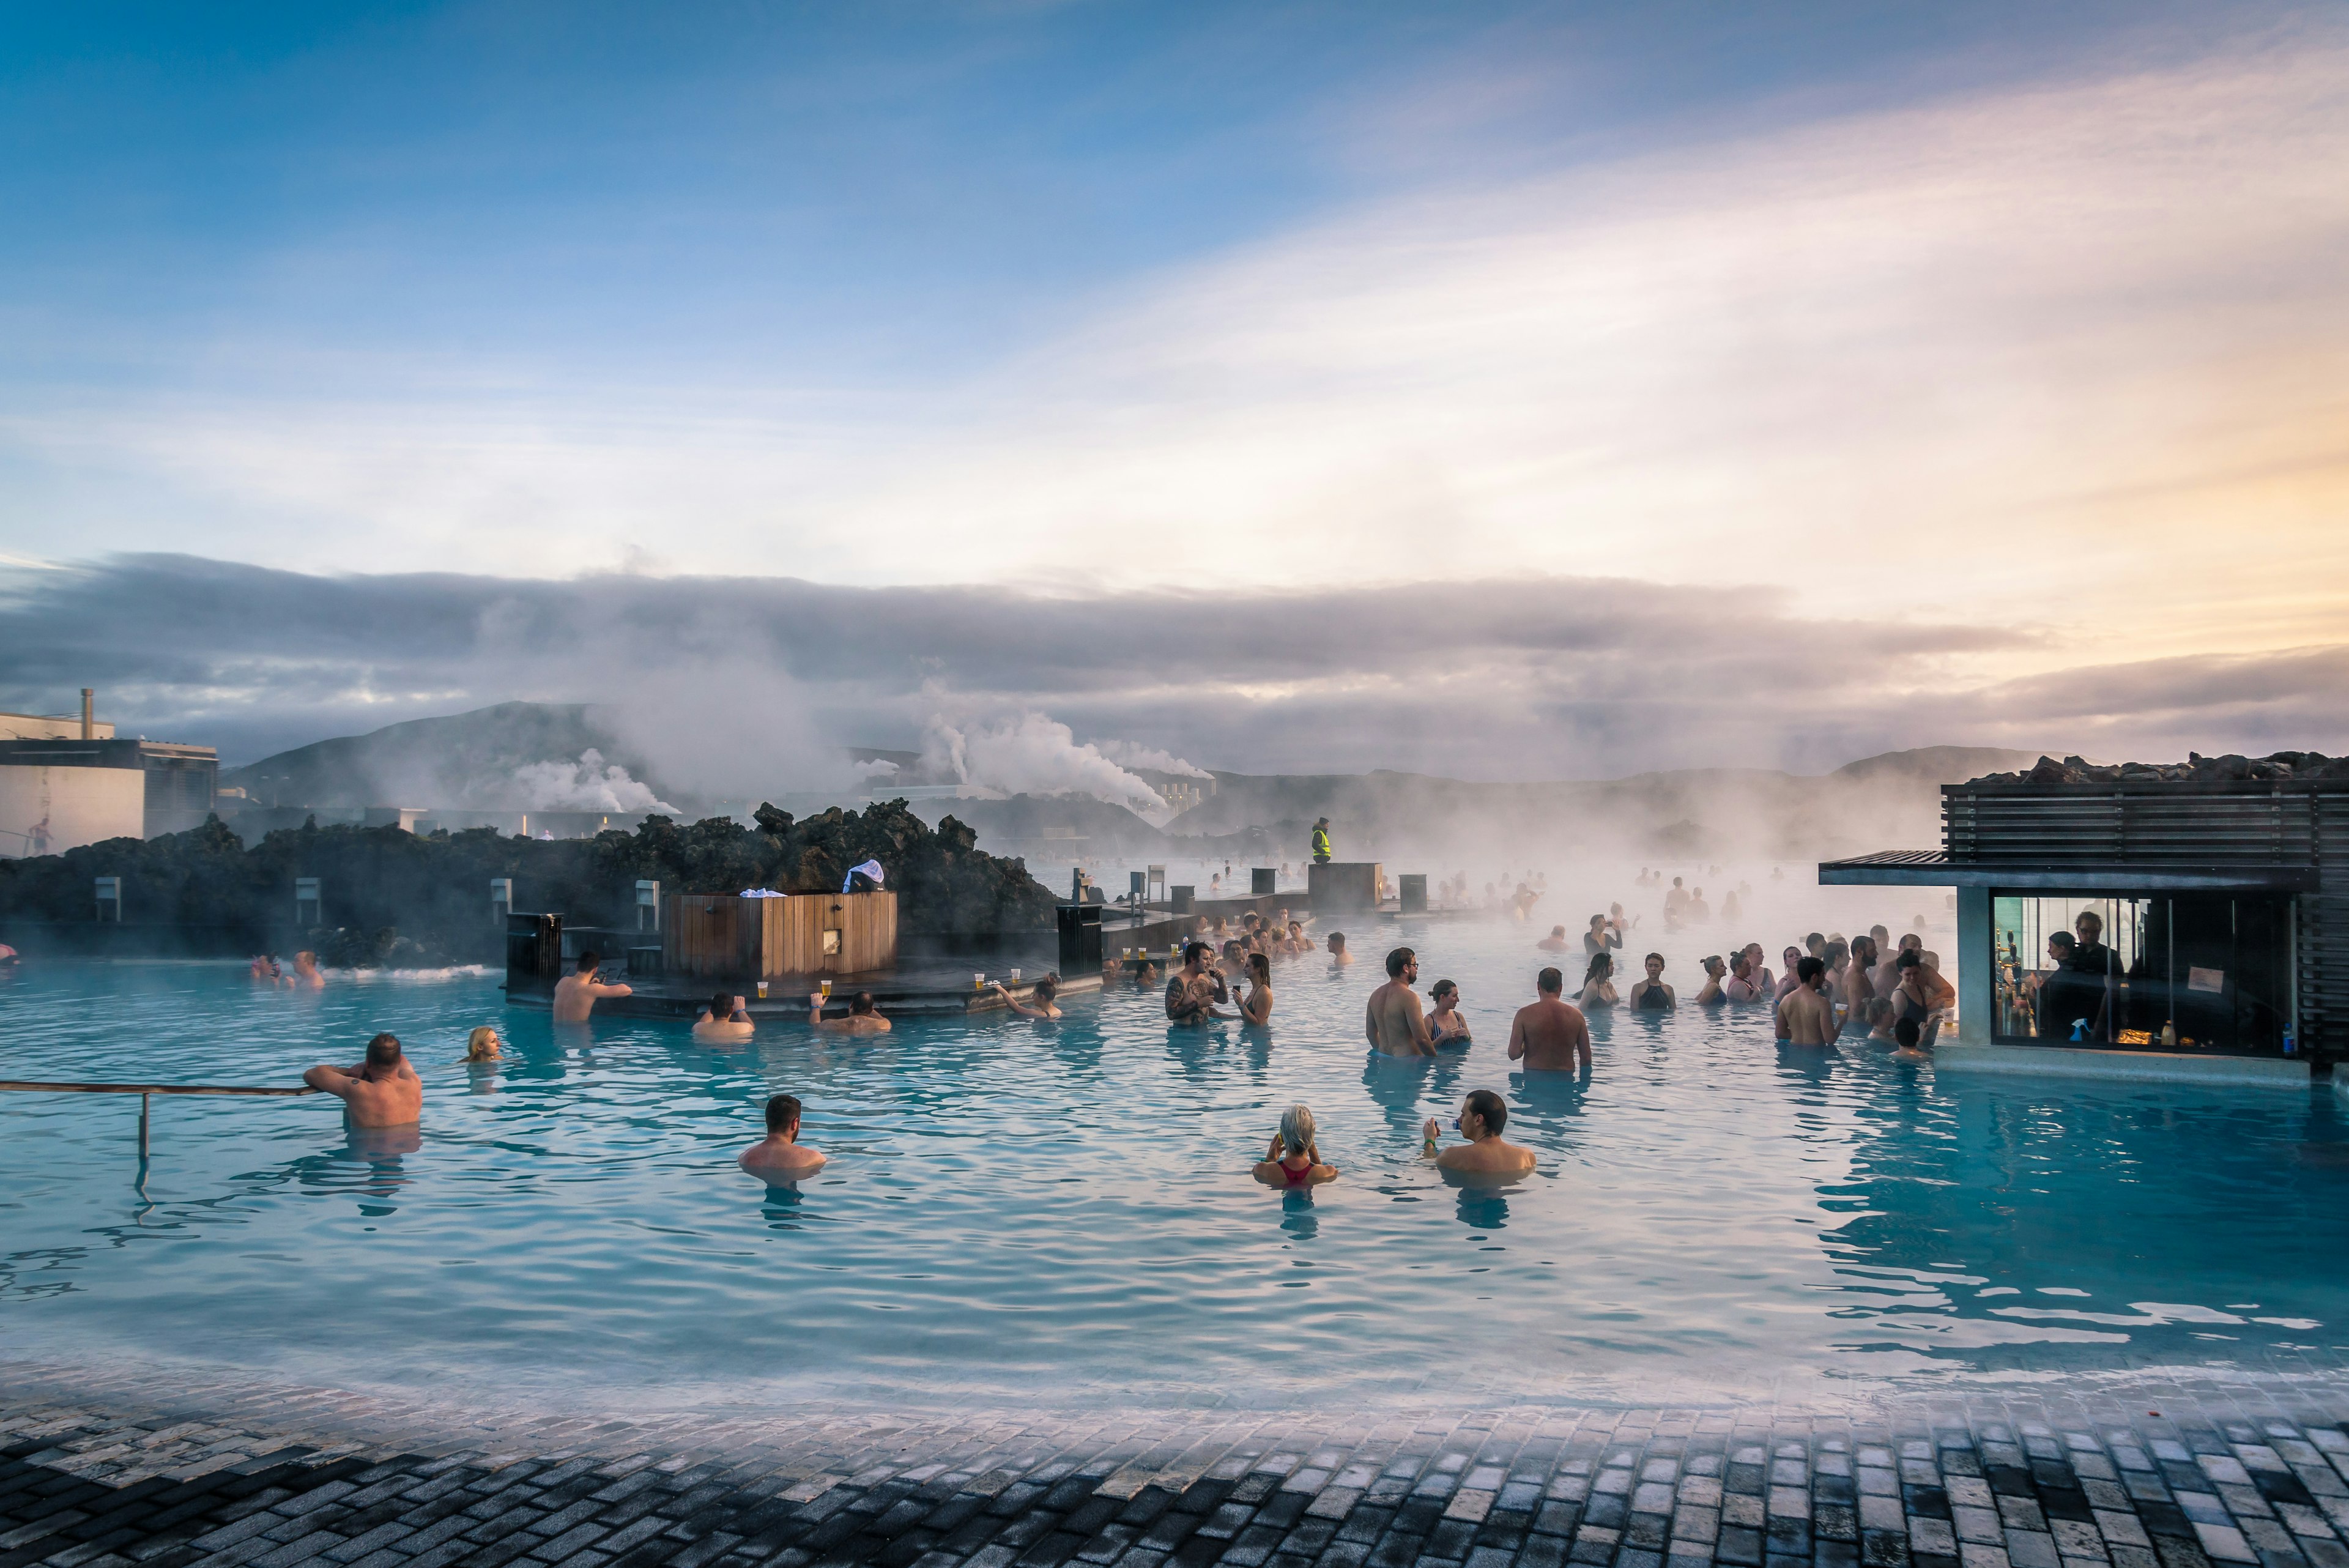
point(2142, 910)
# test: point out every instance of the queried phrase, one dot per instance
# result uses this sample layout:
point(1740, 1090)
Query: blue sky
point(2001, 312)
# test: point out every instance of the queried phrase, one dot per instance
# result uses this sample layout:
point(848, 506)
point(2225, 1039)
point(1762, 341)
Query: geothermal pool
point(1063, 1213)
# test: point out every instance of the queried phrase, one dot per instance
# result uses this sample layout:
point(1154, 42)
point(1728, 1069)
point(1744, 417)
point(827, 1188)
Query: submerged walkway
point(109, 1472)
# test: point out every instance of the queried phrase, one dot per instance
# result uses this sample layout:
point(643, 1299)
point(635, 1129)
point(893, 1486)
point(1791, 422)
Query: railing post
point(144, 1100)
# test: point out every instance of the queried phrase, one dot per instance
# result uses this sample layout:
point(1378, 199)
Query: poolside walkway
point(107, 1471)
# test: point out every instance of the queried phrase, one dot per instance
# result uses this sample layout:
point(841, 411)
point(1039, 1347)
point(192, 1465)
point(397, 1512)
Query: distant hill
point(1890, 801)
point(463, 760)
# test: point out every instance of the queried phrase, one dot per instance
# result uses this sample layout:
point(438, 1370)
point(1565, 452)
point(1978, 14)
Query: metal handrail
point(144, 1090)
point(151, 1089)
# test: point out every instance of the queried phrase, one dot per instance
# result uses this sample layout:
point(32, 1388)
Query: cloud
point(738, 687)
point(2021, 359)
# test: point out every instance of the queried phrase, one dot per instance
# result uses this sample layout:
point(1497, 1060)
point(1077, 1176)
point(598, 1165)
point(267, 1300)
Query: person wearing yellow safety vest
point(1321, 842)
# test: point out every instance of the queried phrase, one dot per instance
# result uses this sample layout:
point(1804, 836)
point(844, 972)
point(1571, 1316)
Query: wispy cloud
point(742, 685)
point(2069, 357)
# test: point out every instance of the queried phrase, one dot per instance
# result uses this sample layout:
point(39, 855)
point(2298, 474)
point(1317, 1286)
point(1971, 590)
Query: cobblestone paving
point(290, 1478)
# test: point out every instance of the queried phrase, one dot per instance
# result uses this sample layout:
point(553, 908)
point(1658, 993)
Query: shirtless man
point(1551, 1035)
point(1555, 942)
point(1887, 973)
point(575, 995)
point(1191, 990)
point(306, 975)
point(1482, 1116)
point(1859, 982)
point(780, 1155)
point(1039, 1006)
point(1338, 957)
point(382, 1091)
point(1392, 1021)
point(724, 1019)
point(863, 1018)
point(1806, 1017)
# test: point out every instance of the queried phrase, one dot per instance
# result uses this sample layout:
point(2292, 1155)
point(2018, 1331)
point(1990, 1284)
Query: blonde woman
point(484, 1045)
point(1292, 1160)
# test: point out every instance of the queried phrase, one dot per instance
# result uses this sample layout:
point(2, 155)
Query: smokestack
point(88, 716)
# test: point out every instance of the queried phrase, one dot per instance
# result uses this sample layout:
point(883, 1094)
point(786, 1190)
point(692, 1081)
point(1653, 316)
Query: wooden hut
point(725, 936)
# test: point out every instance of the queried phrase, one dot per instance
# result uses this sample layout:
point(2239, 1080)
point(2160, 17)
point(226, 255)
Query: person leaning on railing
point(380, 1091)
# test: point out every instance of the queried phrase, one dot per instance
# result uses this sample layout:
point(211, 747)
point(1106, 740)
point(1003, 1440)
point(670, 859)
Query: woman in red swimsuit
point(1293, 1161)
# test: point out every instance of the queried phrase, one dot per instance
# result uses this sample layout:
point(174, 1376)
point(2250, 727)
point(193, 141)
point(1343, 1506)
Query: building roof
point(1932, 868)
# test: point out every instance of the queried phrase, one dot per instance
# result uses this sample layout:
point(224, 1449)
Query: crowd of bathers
point(1826, 988)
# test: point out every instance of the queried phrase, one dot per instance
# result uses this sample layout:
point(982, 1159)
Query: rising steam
point(588, 784)
point(1034, 754)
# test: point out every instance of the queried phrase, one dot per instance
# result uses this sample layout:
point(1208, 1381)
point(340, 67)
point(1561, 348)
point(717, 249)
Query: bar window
point(2187, 973)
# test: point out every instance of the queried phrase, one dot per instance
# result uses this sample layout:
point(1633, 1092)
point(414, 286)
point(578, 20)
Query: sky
point(1500, 390)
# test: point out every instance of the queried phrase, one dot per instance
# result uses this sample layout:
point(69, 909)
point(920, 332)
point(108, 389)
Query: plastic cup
point(978, 982)
point(824, 986)
point(1015, 977)
point(762, 991)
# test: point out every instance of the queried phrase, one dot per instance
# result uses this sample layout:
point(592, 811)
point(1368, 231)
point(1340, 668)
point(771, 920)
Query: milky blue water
point(1063, 1211)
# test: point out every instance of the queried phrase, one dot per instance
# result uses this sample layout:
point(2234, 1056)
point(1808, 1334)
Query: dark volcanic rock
point(2196, 767)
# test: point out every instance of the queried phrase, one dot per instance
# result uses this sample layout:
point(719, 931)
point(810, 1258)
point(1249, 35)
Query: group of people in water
point(303, 976)
point(1828, 987)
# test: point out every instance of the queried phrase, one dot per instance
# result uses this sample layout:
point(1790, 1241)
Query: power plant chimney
point(88, 716)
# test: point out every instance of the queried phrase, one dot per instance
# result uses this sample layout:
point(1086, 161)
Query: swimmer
point(1550, 1035)
point(1923, 993)
point(1741, 986)
point(1806, 1017)
point(1766, 984)
point(1652, 994)
point(1338, 957)
point(1255, 1008)
point(1710, 995)
point(1483, 1115)
point(1292, 1160)
point(1909, 1039)
point(863, 1018)
point(1600, 937)
point(306, 975)
point(1392, 1020)
point(1191, 990)
point(780, 1155)
point(1880, 1018)
point(1859, 992)
point(1555, 942)
point(1696, 911)
point(724, 1019)
point(1041, 997)
point(379, 1091)
point(484, 1045)
point(575, 994)
point(1616, 923)
point(1886, 976)
point(1787, 979)
point(1445, 1027)
point(264, 970)
point(1598, 983)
